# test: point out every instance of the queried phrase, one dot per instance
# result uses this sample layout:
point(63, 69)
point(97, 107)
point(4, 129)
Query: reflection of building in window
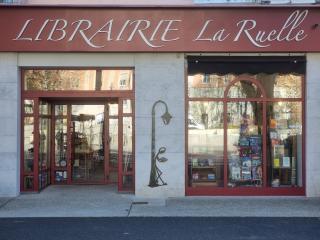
point(206, 79)
point(123, 78)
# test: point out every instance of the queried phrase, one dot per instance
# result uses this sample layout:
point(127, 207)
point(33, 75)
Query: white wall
point(9, 126)
point(313, 125)
point(160, 77)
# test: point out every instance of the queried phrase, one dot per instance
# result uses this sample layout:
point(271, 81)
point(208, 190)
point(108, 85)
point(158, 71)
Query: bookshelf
point(204, 171)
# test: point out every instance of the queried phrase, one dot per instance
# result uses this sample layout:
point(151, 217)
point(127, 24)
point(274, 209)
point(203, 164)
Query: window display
point(205, 144)
point(245, 144)
point(284, 143)
point(250, 118)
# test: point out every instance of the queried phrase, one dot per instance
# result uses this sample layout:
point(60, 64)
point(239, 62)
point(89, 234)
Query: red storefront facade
point(244, 93)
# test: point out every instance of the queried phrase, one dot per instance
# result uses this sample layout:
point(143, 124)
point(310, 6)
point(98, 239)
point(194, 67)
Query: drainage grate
point(139, 203)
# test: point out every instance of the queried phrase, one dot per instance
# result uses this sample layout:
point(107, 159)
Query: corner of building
point(313, 125)
point(9, 122)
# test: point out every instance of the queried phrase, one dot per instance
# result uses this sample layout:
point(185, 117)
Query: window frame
point(264, 99)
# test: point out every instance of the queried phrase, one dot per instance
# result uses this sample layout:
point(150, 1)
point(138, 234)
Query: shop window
point(285, 143)
point(244, 139)
point(247, 122)
point(77, 80)
point(205, 143)
point(197, 87)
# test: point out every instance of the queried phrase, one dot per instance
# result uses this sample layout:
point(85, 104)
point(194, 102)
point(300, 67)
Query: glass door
point(87, 128)
point(93, 143)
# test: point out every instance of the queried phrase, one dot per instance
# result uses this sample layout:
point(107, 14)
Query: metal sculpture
point(155, 173)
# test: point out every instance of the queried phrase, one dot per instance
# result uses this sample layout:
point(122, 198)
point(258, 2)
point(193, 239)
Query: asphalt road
point(160, 228)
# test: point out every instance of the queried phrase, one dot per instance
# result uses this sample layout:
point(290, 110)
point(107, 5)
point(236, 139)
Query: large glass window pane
point(281, 85)
point(127, 162)
point(113, 150)
point(276, 85)
point(28, 144)
point(78, 80)
point(284, 143)
point(54, 80)
point(44, 152)
point(117, 80)
point(205, 144)
point(208, 85)
point(244, 144)
point(244, 89)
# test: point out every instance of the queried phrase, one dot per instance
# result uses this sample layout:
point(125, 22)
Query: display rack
point(246, 166)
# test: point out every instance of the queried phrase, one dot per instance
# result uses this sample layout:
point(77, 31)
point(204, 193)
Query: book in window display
point(286, 162)
point(235, 173)
point(282, 169)
point(248, 170)
point(203, 172)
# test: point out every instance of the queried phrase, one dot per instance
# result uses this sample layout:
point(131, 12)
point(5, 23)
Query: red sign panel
point(160, 30)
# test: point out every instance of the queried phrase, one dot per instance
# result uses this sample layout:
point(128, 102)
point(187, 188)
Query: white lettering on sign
point(157, 34)
point(262, 39)
point(220, 35)
point(56, 30)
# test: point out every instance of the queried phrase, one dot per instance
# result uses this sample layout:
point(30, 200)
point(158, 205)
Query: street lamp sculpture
point(155, 173)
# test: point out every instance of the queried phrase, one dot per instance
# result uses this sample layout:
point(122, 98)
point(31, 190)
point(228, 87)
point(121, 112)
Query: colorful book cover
point(286, 162)
point(211, 176)
point(246, 163)
point(244, 141)
point(246, 175)
point(255, 141)
point(256, 162)
point(245, 151)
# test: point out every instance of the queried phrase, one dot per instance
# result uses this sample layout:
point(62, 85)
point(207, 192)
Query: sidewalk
point(104, 201)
